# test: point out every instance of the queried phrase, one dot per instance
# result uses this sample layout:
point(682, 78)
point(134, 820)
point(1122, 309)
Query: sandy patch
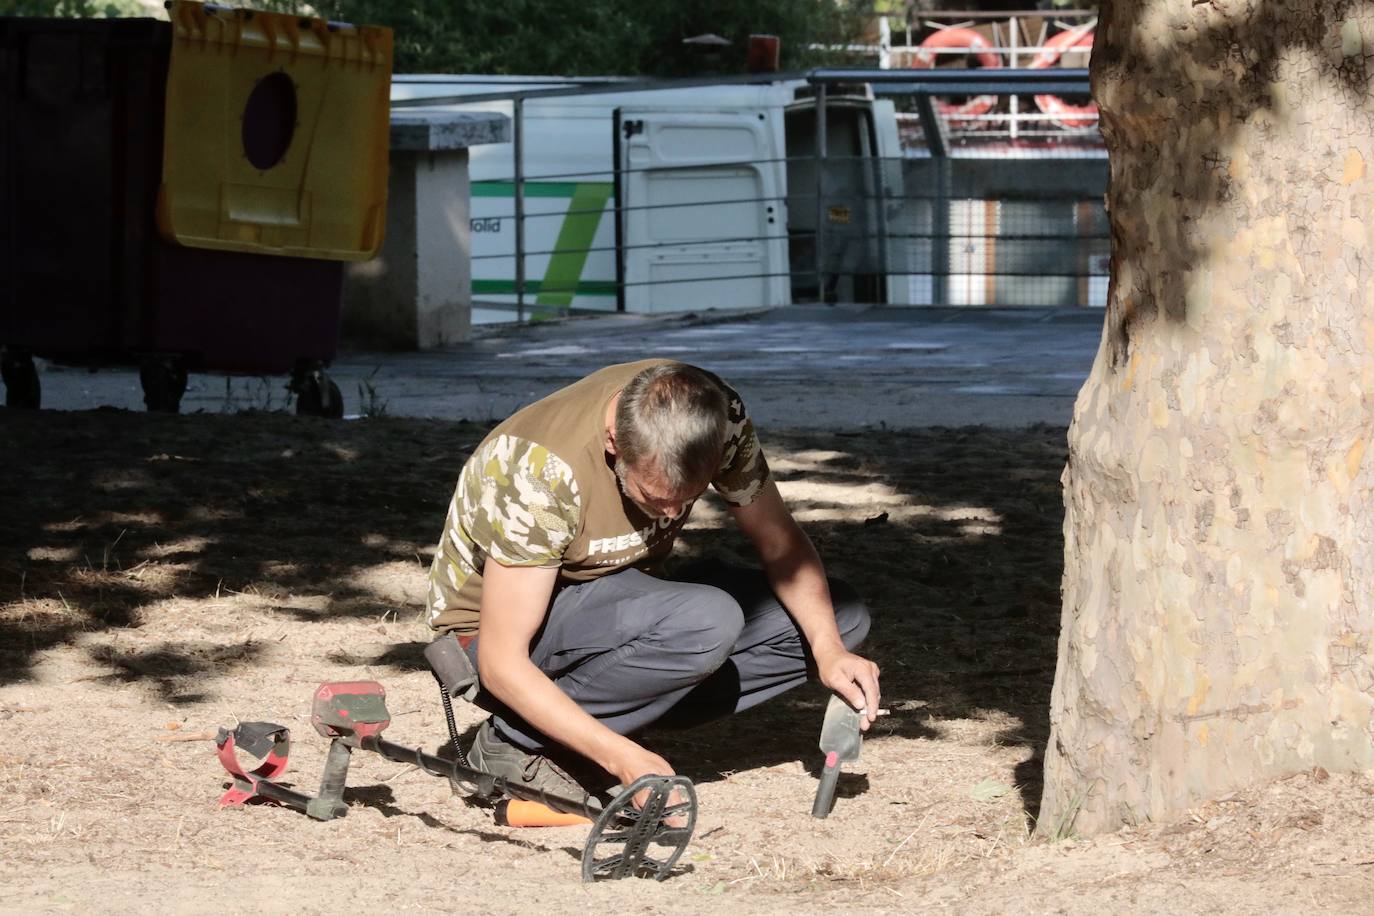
point(163, 576)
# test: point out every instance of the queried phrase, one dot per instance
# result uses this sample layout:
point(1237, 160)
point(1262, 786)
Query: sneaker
point(492, 753)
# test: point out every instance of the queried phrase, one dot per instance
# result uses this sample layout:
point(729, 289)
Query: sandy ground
point(163, 576)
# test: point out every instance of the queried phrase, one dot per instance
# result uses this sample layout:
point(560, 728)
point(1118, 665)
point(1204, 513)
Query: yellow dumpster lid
point(276, 133)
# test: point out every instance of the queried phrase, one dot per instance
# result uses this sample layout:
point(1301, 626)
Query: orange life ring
point(981, 49)
point(1066, 115)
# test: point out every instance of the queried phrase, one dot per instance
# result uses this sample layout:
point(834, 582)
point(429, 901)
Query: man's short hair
point(673, 417)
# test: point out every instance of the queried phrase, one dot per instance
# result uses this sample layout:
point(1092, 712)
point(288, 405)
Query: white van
point(715, 188)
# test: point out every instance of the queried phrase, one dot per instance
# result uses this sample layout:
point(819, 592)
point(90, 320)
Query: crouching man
point(545, 572)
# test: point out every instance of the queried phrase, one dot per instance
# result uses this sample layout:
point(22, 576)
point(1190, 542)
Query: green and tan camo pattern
point(520, 504)
point(515, 502)
point(743, 469)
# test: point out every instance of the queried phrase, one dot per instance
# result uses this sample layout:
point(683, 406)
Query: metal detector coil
point(623, 839)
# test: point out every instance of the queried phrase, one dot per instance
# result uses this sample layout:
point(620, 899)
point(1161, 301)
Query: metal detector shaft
point(485, 783)
point(307, 804)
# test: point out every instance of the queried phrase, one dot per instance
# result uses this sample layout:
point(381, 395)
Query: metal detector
point(625, 839)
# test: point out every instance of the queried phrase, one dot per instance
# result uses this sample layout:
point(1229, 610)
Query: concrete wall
point(416, 294)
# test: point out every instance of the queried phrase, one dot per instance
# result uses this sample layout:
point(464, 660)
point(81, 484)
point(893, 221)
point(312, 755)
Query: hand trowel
point(841, 740)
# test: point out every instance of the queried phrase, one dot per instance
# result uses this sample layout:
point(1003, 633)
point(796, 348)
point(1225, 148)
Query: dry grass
point(166, 576)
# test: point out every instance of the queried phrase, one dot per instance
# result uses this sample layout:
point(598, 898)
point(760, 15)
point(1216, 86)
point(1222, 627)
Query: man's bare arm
point(514, 602)
point(795, 572)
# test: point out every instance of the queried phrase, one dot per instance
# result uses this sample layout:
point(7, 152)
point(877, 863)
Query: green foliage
point(73, 9)
point(370, 402)
point(586, 38)
point(594, 37)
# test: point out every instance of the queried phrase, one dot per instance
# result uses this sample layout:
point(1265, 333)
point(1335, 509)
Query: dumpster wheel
point(23, 391)
point(164, 382)
point(318, 396)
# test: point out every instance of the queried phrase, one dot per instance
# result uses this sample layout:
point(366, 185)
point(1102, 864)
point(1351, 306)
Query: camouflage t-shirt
point(539, 491)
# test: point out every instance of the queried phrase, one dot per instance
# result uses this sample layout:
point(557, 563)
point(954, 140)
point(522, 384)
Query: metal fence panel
point(882, 187)
point(968, 231)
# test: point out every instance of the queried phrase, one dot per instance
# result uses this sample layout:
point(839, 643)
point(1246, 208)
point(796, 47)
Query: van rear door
point(855, 198)
point(702, 211)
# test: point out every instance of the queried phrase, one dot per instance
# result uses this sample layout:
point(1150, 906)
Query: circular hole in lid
point(269, 120)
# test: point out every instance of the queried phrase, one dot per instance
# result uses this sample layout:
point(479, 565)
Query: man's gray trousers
point(632, 649)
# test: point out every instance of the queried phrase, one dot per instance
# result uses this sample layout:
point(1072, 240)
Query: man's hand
point(637, 761)
point(855, 679)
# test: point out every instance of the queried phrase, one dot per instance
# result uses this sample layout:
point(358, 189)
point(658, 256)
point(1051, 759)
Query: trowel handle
point(825, 792)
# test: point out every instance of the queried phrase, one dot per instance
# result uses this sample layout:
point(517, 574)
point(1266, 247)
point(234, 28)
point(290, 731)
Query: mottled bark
point(1219, 570)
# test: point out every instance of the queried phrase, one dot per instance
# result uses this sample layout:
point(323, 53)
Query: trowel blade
point(840, 740)
point(840, 732)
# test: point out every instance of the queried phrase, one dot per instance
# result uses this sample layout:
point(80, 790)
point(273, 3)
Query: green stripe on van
point(574, 238)
point(563, 277)
point(507, 288)
point(537, 188)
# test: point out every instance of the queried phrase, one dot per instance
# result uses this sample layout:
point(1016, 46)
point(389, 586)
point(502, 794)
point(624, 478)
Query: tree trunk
point(1219, 570)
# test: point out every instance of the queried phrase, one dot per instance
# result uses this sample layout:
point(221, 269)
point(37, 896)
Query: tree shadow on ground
point(114, 512)
point(960, 563)
point(953, 536)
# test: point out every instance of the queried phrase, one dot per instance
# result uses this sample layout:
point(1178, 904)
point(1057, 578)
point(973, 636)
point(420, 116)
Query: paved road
point(801, 366)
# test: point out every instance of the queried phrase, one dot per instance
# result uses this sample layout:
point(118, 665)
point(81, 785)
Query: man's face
point(646, 489)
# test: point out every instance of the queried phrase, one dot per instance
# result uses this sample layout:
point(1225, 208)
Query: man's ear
point(610, 424)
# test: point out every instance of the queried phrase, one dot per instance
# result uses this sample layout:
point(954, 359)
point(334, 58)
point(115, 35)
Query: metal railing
point(958, 217)
point(982, 218)
point(1012, 39)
